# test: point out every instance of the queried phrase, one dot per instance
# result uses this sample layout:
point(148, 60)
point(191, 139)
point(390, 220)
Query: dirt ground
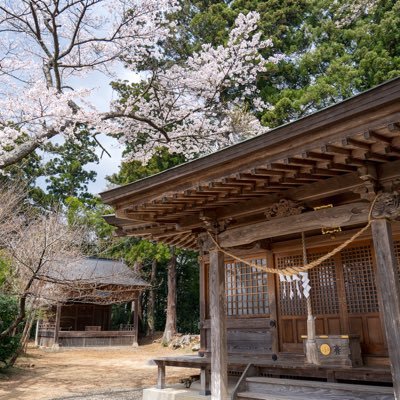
point(44, 375)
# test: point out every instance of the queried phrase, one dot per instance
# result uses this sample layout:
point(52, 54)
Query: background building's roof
point(97, 271)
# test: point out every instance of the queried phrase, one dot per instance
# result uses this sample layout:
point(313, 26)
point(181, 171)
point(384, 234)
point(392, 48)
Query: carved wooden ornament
point(284, 208)
point(387, 205)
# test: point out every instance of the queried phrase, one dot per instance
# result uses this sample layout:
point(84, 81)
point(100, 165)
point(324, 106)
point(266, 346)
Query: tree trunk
point(23, 344)
point(170, 324)
point(152, 300)
point(137, 268)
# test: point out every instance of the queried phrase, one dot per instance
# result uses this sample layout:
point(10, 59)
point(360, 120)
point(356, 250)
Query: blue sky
point(101, 96)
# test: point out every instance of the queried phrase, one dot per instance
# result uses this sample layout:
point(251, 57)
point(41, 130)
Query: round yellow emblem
point(325, 349)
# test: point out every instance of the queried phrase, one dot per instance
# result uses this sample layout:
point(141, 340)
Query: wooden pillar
point(203, 305)
point(389, 286)
point(219, 350)
point(57, 325)
point(136, 321)
point(272, 300)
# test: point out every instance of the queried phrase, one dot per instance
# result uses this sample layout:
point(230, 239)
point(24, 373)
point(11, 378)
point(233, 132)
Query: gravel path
point(88, 373)
point(133, 394)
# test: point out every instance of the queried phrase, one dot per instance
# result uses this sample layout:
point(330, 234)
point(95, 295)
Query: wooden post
point(219, 348)
point(204, 382)
point(203, 305)
point(57, 326)
point(311, 344)
point(136, 322)
point(389, 285)
point(161, 377)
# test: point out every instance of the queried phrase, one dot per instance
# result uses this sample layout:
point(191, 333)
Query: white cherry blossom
point(203, 103)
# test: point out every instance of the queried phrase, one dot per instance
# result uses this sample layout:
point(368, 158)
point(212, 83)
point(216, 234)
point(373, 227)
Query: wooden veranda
point(246, 209)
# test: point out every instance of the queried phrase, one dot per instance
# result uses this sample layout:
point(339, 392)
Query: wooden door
point(344, 299)
point(292, 309)
point(361, 294)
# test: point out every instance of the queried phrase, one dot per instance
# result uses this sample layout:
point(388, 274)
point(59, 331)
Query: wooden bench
point(202, 363)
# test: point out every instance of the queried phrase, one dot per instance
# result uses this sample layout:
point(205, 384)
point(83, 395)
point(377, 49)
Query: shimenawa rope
point(308, 266)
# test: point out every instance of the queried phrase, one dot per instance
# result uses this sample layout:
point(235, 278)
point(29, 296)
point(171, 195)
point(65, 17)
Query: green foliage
point(120, 314)
point(187, 277)
point(135, 250)
point(4, 269)
point(90, 214)
point(134, 170)
point(332, 50)
point(8, 312)
point(66, 175)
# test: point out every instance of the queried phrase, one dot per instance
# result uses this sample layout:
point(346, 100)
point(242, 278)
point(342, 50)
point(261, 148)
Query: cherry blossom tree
point(45, 44)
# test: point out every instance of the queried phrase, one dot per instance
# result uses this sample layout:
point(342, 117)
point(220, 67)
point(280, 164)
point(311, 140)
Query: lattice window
point(324, 295)
point(287, 305)
point(246, 289)
point(359, 280)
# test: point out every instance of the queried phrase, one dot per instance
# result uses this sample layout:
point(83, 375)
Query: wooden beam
point(282, 167)
point(389, 285)
point(341, 167)
point(354, 161)
point(318, 156)
point(355, 143)
point(299, 161)
point(369, 155)
point(313, 191)
point(373, 136)
point(394, 127)
point(324, 172)
point(392, 150)
point(336, 150)
point(345, 215)
point(219, 348)
point(266, 172)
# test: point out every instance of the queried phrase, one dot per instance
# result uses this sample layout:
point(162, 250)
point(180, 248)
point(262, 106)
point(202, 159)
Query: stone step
point(302, 396)
point(302, 389)
point(269, 396)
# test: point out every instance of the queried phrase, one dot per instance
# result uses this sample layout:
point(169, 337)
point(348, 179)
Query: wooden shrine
point(331, 178)
point(81, 300)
